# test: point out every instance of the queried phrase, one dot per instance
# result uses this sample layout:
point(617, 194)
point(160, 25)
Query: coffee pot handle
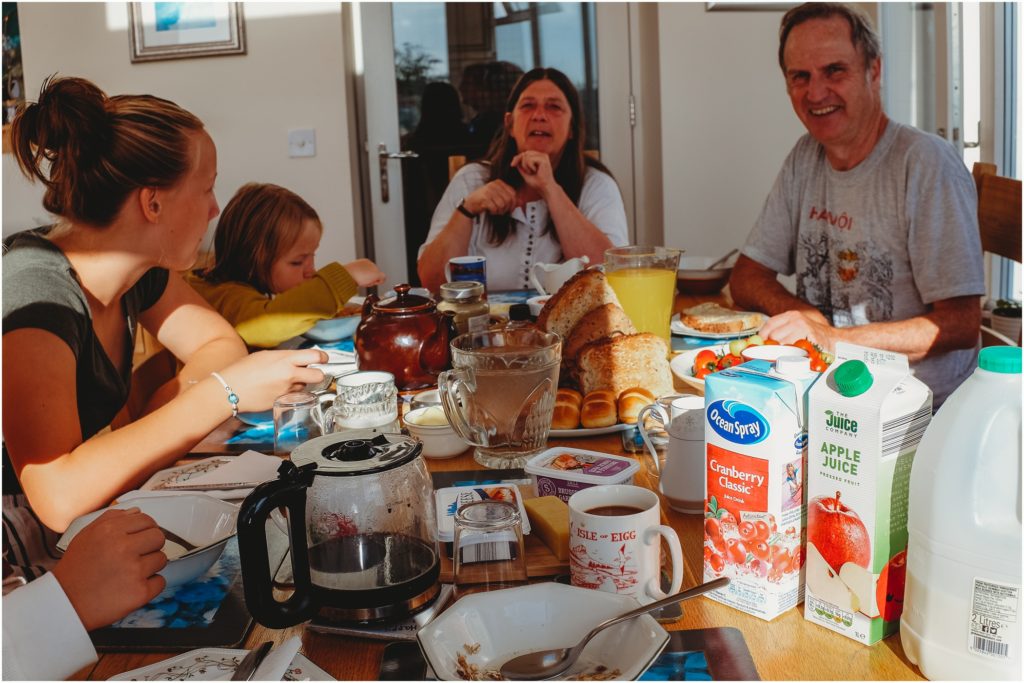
point(288, 491)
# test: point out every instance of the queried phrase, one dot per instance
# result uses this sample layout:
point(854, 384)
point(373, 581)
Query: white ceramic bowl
point(439, 441)
point(203, 520)
point(771, 352)
point(536, 303)
point(511, 622)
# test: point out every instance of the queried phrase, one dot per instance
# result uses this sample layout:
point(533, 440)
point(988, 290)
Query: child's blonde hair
point(259, 223)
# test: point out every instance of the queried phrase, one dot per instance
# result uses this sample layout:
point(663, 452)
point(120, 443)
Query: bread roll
point(565, 416)
point(598, 409)
point(569, 396)
point(631, 401)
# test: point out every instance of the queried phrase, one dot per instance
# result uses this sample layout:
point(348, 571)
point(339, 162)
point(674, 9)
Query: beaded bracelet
point(232, 396)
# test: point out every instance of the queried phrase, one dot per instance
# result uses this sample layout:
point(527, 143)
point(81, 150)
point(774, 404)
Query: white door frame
point(372, 38)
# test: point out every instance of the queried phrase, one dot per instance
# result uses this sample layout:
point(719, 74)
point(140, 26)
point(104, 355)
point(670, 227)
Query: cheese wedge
point(549, 519)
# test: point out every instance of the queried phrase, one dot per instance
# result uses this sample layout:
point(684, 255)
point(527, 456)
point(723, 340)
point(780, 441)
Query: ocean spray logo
point(839, 422)
point(737, 422)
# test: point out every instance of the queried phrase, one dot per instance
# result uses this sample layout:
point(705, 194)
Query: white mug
point(681, 475)
point(615, 537)
point(548, 278)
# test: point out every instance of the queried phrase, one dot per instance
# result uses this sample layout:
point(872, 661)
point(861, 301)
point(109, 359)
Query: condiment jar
point(465, 300)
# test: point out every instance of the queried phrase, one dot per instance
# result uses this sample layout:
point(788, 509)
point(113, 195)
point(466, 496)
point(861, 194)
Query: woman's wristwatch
point(461, 208)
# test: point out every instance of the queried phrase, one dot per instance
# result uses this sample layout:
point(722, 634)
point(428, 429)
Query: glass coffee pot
point(362, 528)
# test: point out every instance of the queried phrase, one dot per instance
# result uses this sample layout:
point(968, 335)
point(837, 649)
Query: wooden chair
point(999, 207)
point(999, 221)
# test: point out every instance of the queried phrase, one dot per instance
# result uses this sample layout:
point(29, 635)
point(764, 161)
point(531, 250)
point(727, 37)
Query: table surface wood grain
point(787, 648)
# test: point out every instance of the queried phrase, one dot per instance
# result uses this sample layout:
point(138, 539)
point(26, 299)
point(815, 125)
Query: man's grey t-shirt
point(880, 241)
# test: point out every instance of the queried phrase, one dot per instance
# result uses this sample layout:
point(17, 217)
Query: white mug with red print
point(615, 537)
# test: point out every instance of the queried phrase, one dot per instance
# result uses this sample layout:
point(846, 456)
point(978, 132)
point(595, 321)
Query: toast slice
point(710, 317)
point(624, 361)
point(582, 293)
point(603, 321)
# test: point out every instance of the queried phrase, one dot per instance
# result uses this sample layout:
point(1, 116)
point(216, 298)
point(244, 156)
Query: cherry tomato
point(818, 365)
point(728, 360)
point(808, 346)
point(771, 342)
point(704, 358)
point(701, 373)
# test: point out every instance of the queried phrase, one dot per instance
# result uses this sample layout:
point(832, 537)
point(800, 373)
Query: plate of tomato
point(694, 365)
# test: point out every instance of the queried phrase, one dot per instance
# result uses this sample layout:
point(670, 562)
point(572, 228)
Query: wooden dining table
point(786, 648)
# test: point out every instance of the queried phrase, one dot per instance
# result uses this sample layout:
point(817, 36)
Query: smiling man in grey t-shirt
point(877, 220)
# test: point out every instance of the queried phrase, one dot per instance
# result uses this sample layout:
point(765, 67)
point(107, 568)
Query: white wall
point(291, 77)
point(726, 123)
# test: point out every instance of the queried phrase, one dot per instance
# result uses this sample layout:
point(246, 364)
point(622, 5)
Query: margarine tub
point(564, 471)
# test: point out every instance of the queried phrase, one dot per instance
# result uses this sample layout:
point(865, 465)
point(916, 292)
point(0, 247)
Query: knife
point(247, 667)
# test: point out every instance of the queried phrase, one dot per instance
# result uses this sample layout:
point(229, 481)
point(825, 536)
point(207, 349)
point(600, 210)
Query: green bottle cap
point(853, 378)
point(1005, 359)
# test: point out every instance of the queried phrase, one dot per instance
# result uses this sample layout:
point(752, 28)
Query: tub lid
point(577, 464)
point(450, 499)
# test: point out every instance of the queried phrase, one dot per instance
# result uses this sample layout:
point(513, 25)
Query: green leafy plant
point(1008, 308)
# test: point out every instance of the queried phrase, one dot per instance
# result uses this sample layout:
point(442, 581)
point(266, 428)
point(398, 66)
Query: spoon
point(721, 260)
point(544, 664)
point(175, 538)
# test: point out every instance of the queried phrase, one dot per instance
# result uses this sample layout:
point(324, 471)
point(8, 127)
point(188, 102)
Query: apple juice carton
point(756, 447)
point(867, 416)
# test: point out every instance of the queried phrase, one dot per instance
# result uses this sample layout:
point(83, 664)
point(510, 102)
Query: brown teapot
point(407, 336)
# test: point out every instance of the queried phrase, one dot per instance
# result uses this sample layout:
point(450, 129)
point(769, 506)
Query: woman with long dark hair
point(536, 198)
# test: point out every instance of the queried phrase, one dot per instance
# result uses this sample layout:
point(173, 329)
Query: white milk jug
point(962, 613)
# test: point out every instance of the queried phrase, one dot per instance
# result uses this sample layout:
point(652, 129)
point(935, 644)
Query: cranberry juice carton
point(756, 447)
point(867, 416)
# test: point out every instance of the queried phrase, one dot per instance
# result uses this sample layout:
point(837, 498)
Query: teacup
point(548, 278)
point(681, 474)
point(364, 400)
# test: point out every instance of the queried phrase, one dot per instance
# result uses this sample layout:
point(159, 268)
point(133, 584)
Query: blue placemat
point(191, 604)
point(259, 435)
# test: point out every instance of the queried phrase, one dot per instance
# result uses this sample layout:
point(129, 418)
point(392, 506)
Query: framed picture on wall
point(177, 30)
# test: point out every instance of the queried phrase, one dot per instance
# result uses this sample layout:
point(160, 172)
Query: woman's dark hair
point(259, 224)
point(91, 151)
point(863, 36)
point(571, 168)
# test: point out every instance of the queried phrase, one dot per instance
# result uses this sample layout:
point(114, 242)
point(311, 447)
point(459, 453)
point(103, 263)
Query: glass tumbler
point(295, 421)
point(488, 551)
point(644, 280)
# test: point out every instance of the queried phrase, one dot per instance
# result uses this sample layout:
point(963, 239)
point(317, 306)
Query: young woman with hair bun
point(130, 179)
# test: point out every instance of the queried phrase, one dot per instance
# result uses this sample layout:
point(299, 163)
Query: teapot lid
point(404, 302)
point(356, 451)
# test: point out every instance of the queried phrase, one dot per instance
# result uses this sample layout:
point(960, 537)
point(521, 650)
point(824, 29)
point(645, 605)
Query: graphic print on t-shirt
point(849, 282)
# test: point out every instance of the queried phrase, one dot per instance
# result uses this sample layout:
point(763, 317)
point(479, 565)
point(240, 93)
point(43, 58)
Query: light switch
point(302, 142)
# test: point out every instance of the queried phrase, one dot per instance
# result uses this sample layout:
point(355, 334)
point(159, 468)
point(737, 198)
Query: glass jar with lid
point(465, 300)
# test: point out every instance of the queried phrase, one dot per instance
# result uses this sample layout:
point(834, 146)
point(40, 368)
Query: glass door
point(435, 80)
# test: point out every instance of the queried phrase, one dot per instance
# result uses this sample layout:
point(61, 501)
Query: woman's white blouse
point(509, 264)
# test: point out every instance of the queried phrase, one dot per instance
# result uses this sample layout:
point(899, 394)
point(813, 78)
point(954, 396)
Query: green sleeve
point(265, 321)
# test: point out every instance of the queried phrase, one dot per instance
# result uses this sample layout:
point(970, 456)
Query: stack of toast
point(601, 349)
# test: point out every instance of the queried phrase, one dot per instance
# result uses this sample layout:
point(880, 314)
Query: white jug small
point(548, 278)
point(681, 474)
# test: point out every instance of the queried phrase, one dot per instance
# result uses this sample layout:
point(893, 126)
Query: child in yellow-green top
point(263, 280)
